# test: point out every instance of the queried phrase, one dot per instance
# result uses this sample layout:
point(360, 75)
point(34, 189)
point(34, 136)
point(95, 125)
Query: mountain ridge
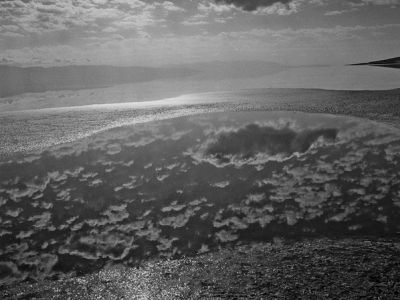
point(388, 63)
point(15, 80)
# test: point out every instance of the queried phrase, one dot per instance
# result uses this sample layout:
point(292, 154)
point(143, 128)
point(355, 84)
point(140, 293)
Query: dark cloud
point(250, 5)
point(253, 139)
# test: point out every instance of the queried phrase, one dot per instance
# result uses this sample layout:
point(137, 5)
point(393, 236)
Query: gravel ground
point(382, 106)
point(310, 269)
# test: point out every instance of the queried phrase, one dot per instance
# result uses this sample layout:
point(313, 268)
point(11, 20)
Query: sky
point(157, 32)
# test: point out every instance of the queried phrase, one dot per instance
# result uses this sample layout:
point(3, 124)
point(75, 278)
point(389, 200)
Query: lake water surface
point(192, 184)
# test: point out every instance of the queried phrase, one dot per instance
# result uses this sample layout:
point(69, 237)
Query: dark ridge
point(388, 63)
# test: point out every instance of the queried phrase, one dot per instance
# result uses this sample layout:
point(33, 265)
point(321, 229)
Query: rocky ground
point(310, 269)
point(381, 106)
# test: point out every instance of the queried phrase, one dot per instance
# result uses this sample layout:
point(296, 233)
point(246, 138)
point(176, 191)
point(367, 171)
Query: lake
point(193, 184)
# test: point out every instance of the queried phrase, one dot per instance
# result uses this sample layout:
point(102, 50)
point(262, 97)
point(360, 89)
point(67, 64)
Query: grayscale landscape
point(218, 149)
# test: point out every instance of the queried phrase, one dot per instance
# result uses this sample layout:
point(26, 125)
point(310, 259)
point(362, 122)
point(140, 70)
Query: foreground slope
point(317, 269)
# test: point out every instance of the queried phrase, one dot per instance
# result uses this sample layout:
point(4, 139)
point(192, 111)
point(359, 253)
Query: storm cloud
point(251, 5)
point(252, 139)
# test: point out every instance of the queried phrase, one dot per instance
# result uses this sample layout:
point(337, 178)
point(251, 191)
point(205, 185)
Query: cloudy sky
point(157, 32)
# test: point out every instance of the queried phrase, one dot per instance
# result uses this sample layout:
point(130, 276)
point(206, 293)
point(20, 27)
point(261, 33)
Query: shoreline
point(380, 106)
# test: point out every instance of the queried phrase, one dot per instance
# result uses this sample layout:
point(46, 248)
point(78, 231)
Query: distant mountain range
point(389, 63)
point(235, 69)
point(18, 80)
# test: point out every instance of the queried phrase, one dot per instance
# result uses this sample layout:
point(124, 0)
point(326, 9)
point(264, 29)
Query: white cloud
point(169, 6)
point(207, 7)
point(382, 2)
point(196, 20)
point(157, 31)
point(42, 16)
point(361, 3)
point(280, 9)
point(209, 12)
point(254, 43)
